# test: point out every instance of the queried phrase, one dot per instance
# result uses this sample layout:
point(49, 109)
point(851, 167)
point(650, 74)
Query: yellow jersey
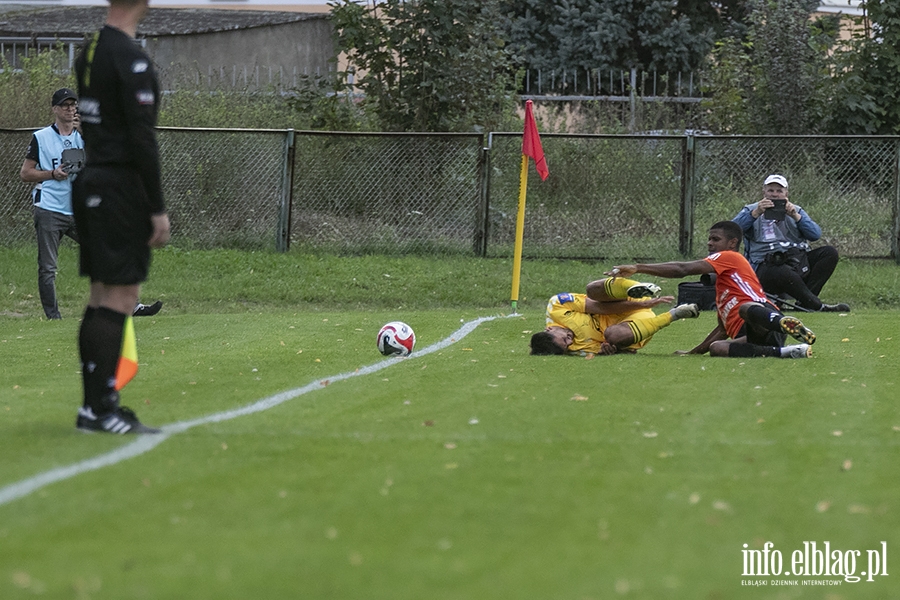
point(568, 310)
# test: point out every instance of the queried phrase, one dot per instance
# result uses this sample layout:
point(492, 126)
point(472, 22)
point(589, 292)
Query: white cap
point(779, 179)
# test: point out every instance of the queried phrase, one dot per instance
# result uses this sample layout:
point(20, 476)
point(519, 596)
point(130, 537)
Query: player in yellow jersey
point(614, 315)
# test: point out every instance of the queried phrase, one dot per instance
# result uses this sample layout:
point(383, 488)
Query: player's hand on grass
point(607, 349)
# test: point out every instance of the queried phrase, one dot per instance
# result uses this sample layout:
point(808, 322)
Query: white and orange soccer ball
point(396, 339)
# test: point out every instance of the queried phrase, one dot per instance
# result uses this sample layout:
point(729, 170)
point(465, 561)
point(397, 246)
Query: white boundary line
point(145, 443)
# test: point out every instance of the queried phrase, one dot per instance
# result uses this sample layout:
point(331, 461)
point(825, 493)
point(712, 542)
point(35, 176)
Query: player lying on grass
point(613, 316)
point(754, 325)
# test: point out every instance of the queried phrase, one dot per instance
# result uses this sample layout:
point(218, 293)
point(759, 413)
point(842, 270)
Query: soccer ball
point(397, 338)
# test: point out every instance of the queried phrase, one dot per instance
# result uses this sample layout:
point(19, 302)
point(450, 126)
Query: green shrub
point(25, 93)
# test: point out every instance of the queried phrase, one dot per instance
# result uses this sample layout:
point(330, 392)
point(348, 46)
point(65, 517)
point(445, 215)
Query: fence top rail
point(220, 129)
point(802, 137)
point(191, 129)
point(322, 133)
point(696, 135)
point(492, 134)
point(619, 136)
point(394, 133)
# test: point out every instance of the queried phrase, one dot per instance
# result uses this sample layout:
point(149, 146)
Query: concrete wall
point(304, 47)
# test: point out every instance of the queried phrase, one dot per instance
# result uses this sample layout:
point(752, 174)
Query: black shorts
point(763, 337)
point(113, 221)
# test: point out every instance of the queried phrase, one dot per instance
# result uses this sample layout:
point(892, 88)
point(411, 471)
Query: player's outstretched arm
point(671, 270)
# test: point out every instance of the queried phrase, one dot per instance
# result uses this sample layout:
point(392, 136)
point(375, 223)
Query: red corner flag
point(531, 143)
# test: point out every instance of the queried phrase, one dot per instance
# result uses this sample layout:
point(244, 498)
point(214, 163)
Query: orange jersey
point(736, 284)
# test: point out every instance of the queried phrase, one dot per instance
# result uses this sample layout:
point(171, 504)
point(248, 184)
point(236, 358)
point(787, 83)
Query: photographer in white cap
point(777, 233)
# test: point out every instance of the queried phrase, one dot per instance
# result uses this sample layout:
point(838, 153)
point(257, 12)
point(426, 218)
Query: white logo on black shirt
point(145, 97)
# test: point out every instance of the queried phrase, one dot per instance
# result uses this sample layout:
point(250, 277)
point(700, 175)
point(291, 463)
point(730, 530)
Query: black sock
point(764, 317)
point(100, 342)
point(84, 351)
point(744, 350)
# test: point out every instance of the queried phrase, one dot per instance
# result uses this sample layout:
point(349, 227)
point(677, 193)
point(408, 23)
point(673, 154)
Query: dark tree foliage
point(790, 68)
point(777, 78)
point(867, 95)
point(666, 35)
point(428, 65)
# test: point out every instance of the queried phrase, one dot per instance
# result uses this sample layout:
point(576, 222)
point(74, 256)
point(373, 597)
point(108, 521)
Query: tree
point(24, 92)
point(729, 107)
point(867, 97)
point(777, 79)
point(667, 35)
point(791, 73)
point(428, 65)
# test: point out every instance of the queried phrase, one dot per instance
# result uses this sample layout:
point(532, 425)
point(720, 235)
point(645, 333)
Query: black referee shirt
point(118, 97)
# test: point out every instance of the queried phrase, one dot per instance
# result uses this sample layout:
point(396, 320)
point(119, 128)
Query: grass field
point(474, 471)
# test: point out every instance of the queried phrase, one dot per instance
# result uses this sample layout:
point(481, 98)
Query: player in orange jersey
point(749, 325)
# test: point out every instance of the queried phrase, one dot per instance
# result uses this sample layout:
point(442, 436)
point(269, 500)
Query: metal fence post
point(283, 229)
point(686, 235)
point(632, 95)
point(895, 238)
point(480, 243)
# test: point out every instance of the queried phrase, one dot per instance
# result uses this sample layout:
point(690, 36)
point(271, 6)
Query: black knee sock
point(764, 317)
point(744, 350)
point(100, 342)
point(84, 352)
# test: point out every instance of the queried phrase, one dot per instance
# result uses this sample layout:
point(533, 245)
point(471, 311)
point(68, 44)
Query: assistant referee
point(118, 205)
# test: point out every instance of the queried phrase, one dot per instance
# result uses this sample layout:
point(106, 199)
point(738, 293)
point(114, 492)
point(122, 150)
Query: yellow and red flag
point(531, 148)
point(128, 361)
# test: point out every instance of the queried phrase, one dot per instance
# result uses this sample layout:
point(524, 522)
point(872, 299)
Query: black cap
point(61, 95)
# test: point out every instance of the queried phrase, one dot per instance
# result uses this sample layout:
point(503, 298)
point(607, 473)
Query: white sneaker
point(796, 351)
point(685, 311)
point(643, 290)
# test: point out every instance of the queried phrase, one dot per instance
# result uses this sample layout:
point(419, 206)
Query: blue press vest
point(55, 195)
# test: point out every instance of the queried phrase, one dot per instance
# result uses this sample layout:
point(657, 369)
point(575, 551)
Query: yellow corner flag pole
point(531, 148)
point(520, 233)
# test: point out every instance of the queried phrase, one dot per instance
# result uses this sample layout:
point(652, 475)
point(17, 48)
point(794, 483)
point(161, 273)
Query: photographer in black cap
point(54, 155)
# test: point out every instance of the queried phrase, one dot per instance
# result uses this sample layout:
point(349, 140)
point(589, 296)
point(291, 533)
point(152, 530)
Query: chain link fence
point(16, 224)
point(848, 185)
point(386, 193)
point(223, 188)
point(608, 197)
